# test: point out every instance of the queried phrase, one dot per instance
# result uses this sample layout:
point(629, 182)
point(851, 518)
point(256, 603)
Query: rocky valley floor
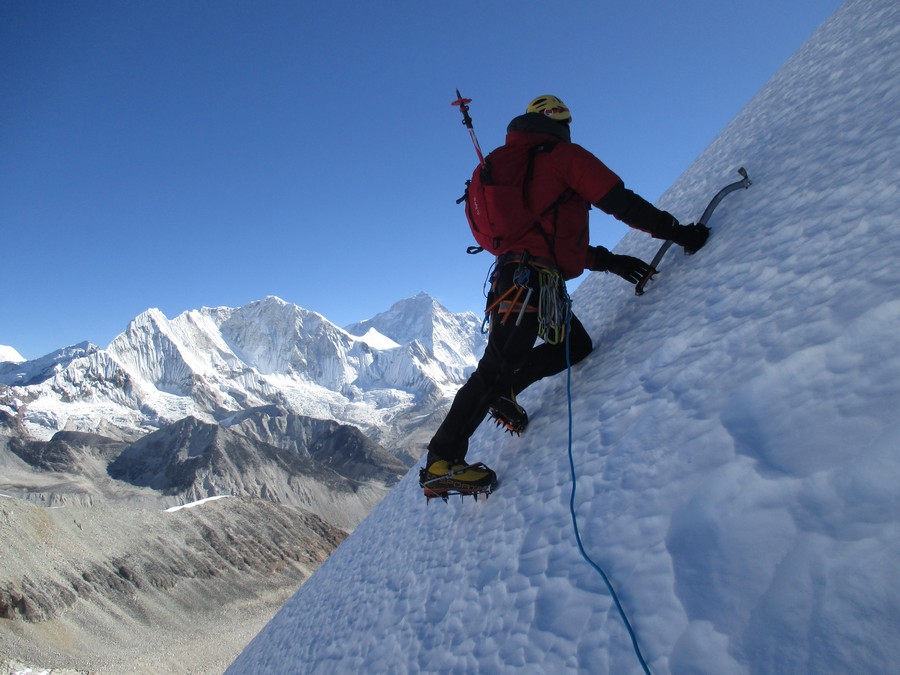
point(117, 589)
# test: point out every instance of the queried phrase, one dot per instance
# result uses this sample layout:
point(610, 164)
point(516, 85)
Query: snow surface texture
point(736, 436)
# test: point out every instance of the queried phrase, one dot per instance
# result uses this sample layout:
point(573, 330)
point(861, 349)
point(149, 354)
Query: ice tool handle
point(744, 183)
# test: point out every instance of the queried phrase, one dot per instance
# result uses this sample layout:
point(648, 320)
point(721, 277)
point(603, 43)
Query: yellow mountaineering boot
point(441, 479)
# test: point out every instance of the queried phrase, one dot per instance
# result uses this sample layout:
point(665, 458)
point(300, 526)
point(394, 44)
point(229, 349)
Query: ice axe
point(731, 187)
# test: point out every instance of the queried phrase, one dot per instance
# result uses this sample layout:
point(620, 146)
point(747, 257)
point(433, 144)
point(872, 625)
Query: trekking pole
point(463, 104)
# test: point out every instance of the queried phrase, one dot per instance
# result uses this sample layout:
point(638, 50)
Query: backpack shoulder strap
point(532, 153)
point(529, 174)
point(566, 194)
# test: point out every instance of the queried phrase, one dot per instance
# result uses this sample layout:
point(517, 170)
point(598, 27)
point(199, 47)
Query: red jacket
point(564, 184)
point(568, 170)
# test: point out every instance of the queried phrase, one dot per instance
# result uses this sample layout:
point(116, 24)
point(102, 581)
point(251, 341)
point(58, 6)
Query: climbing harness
point(553, 304)
point(511, 298)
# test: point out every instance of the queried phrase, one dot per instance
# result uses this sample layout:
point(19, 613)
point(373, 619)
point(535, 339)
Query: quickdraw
point(507, 303)
point(554, 306)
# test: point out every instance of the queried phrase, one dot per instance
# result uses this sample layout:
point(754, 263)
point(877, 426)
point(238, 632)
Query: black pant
point(511, 363)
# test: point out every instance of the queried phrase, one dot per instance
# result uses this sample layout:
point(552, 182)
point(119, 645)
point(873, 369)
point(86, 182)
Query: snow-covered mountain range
point(733, 438)
point(214, 362)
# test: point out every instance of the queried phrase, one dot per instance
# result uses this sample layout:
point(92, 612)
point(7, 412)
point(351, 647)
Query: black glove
point(630, 269)
point(690, 237)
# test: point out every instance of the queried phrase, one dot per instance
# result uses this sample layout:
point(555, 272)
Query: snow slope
point(736, 436)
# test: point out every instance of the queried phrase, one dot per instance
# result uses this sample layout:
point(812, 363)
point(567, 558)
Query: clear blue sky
point(180, 154)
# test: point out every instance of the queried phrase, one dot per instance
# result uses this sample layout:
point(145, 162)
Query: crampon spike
point(431, 494)
point(446, 494)
point(501, 421)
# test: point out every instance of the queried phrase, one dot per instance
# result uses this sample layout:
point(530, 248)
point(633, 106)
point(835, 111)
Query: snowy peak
point(276, 337)
point(24, 373)
point(153, 350)
point(407, 320)
point(453, 338)
point(10, 355)
point(376, 340)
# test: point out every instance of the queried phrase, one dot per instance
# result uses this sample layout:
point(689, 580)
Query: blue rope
point(612, 592)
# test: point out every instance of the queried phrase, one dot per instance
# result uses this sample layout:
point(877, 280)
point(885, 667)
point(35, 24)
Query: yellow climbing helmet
point(550, 106)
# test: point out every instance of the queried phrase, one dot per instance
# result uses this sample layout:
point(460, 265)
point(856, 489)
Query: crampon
point(509, 415)
point(446, 486)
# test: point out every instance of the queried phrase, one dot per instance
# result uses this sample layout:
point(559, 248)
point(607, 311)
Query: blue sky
point(181, 154)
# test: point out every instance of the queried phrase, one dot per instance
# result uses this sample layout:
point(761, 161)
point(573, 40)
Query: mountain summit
point(734, 436)
point(422, 319)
